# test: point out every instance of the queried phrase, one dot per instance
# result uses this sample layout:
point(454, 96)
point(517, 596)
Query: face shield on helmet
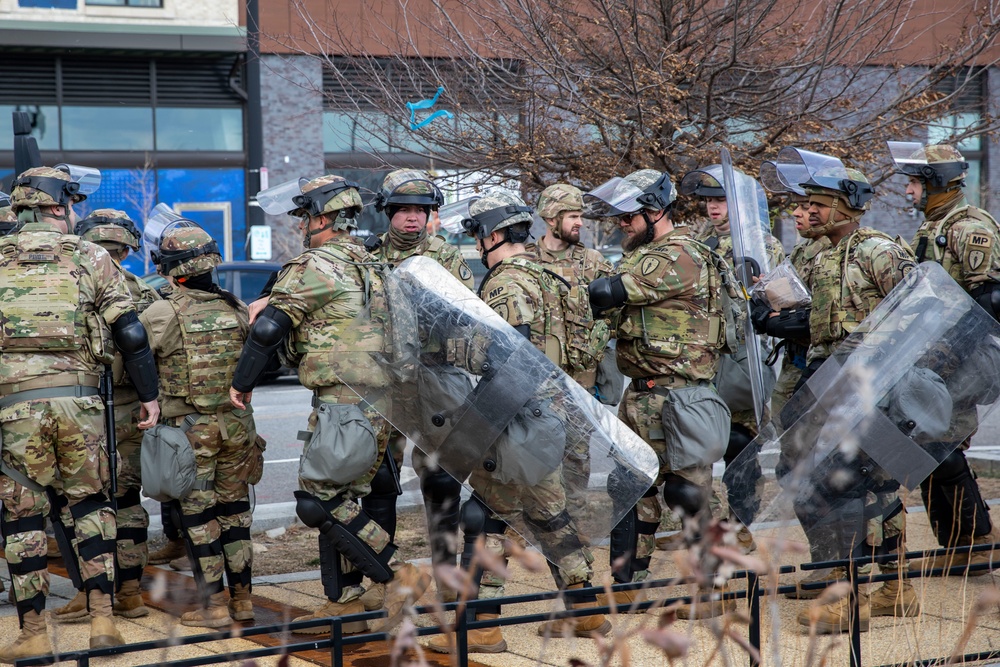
point(62, 185)
point(939, 167)
point(161, 220)
point(703, 182)
point(825, 172)
point(108, 225)
point(452, 215)
point(784, 177)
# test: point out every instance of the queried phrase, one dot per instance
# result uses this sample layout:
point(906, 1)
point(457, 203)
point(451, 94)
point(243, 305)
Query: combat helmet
point(941, 168)
point(187, 250)
point(495, 211)
point(404, 187)
point(704, 182)
point(110, 226)
point(853, 198)
point(558, 198)
point(8, 220)
point(44, 186)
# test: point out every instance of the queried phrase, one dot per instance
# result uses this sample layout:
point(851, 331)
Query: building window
point(126, 3)
point(44, 125)
point(107, 128)
point(968, 105)
point(48, 4)
point(194, 129)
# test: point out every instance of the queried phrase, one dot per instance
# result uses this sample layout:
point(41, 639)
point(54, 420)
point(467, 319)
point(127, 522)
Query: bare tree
point(141, 195)
point(580, 90)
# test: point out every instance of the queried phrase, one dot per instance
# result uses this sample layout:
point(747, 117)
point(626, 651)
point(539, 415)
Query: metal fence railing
point(466, 620)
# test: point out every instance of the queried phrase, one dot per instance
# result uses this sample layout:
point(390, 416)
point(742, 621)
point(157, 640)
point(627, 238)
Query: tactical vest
point(842, 294)
point(567, 334)
point(329, 347)
point(943, 253)
point(668, 327)
point(202, 371)
point(40, 307)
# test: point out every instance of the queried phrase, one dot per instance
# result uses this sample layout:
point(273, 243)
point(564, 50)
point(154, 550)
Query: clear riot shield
point(476, 395)
point(784, 177)
point(748, 225)
point(161, 219)
point(88, 179)
point(279, 199)
point(899, 395)
point(614, 197)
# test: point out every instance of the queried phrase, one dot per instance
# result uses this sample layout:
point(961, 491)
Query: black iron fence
point(465, 619)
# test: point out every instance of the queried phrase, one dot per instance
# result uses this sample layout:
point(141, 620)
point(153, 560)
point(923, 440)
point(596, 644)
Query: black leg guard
point(442, 499)
point(741, 486)
point(625, 540)
point(683, 496)
point(477, 520)
point(94, 546)
point(196, 552)
point(317, 513)
point(330, 572)
point(955, 506)
point(233, 535)
point(380, 504)
point(28, 565)
point(128, 500)
point(35, 604)
point(170, 530)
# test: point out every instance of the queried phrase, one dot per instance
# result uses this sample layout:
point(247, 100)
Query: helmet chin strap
point(832, 223)
point(487, 251)
point(650, 231)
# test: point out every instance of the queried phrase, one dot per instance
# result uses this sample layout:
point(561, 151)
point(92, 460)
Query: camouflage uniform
point(434, 247)
point(115, 232)
point(197, 336)
point(56, 442)
point(669, 336)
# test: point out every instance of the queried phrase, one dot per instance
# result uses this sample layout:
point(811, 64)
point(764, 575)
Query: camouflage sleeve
point(517, 301)
point(302, 288)
point(664, 274)
point(111, 297)
point(976, 249)
point(775, 251)
point(596, 266)
point(162, 328)
point(888, 264)
point(452, 260)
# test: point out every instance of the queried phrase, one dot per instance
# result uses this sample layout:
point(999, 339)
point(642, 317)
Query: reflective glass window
point(107, 128)
point(44, 121)
point(199, 129)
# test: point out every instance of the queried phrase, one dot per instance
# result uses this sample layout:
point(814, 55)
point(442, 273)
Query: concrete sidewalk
point(946, 604)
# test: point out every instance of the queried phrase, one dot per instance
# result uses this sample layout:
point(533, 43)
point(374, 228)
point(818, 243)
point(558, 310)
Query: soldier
point(847, 282)
point(525, 295)
point(407, 197)
point(671, 328)
point(115, 232)
point(51, 417)
point(965, 240)
point(197, 334)
point(313, 303)
point(703, 183)
point(560, 206)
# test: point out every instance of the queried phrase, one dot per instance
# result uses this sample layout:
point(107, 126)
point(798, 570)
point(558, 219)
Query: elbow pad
point(606, 293)
point(524, 330)
point(987, 296)
point(268, 330)
point(131, 341)
point(792, 324)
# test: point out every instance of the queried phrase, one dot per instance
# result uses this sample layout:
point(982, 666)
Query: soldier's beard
point(633, 241)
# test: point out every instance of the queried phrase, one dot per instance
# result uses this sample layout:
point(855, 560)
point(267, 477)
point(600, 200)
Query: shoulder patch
point(979, 239)
point(501, 309)
point(464, 272)
point(649, 265)
point(494, 293)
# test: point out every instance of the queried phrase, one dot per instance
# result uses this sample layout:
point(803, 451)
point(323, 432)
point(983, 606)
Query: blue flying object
point(427, 104)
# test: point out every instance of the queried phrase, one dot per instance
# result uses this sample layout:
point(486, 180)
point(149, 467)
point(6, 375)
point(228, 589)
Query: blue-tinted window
point(48, 4)
point(107, 128)
point(44, 121)
point(338, 132)
point(127, 3)
point(200, 129)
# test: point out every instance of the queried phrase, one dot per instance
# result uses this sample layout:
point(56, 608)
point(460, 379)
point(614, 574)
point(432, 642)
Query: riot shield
point(478, 398)
point(784, 177)
point(614, 197)
point(452, 215)
point(161, 219)
point(279, 199)
point(899, 395)
point(748, 225)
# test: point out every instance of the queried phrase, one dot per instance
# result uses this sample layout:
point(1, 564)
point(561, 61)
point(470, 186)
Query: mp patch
point(649, 265)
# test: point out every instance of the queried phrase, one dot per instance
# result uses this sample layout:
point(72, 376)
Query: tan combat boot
point(103, 633)
point(129, 602)
point(580, 626)
point(182, 564)
point(374, 598)
point(836, 617)
point(700, 610)
point(407, 585)
point(240, 606)
point(673, 542)
point(215, 615)
point(896, 597)
point(816, 577)
point(73, 611)
point(744, 538)
point(33, 640)
point(330, 609)
point(52, 548)
point(168, 552)
point(480, 641)
point(962, 560)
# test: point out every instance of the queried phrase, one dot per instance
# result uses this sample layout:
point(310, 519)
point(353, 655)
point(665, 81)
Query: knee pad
point(476, 519)
point(681, 494)
point(439, 487)
point(384, 481)
point(314, 512)
point(739, 439)
point(952, 470)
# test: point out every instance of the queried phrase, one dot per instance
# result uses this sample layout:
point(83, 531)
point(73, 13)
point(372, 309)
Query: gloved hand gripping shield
point(748, 225)
point(882, 413)
point(476, 396)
